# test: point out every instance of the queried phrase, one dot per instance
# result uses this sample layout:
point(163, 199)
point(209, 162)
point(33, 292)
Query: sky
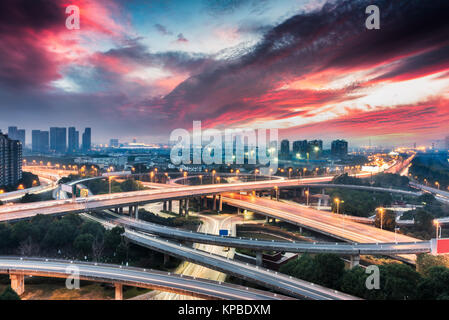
point(308, 68)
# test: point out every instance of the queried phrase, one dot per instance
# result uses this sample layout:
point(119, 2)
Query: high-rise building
point(74, 140)
point(12, 133)
point(113, 143)
point(21, 136)
point(87, 135)
point(44, 141)
point(40, 140)
point(285, 149)
point(10, 161)
point(339, 148)
point(58, 139)
point(17, 134)
point(300, 149)
point(314, 148)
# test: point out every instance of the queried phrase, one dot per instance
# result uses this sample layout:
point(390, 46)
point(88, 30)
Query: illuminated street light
point(290, 172)
point(381, 211)
point(201, 179)
point(337, 201)
point(438, 185)
point(437, 226)
point(255, 172)
point(307, 195)
point(2, 191)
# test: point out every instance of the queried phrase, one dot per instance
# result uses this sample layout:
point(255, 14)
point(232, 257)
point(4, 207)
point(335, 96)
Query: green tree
point(353, 282)
point(424, 220)
point(328, 269)
point(93, 228)
point(9, 294)
point(6, 242)
point(112, 239)
point(388, 220)
point(83, 243)
point(425, 261)
point(398, 282)
point(30, 197)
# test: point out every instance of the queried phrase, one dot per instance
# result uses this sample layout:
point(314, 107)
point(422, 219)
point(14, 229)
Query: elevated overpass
point(264, 277)
point(261, 245)
point(18, 267)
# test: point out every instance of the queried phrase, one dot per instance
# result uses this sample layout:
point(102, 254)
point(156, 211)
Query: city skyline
point(230, 64)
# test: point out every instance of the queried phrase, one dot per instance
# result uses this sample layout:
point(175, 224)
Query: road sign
point(223, 232)
point(442, 246)
point(66, 188)
point(84, 193)
point(119, 173)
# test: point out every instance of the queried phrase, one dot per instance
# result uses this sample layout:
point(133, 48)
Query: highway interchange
point(364, 239)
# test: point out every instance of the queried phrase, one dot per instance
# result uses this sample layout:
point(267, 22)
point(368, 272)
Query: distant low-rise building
point(339, 148)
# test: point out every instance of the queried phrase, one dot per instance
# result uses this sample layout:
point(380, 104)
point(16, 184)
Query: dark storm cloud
point(430, 61)
point(176, 61)
point(23, 61)
point(16, 15)
point(332, 37)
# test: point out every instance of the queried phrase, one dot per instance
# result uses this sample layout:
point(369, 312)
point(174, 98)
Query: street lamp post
point(381, 211)
point(110, 179)
point(337, 201)
point(307, 197)
point(289, 172)
point(438, 185)
point(437, 226)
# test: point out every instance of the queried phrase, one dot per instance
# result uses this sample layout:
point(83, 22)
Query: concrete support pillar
point(259, 258)
point(214, 202)
point(271, 194)
point(166, 259)
point(267, 219)
point(170, 205)
point(164, 206)
point(186, 211)
point(180, 206)
point(220, 203)
point(120, 210)
point(205, 203)
point(130, 211)
point(136, 211)
point(277, 193)
point(303, 192)
point(355, 261)
point(300, 229)
point(238, 210)
point(18, 283)
point(118, 291)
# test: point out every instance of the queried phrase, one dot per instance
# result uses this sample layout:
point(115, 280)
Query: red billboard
point(442, 246)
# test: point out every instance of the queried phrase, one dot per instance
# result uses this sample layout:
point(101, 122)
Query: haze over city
point(310, 68)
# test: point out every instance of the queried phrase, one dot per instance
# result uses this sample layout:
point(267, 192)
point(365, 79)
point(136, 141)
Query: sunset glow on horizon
point(309, 68)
